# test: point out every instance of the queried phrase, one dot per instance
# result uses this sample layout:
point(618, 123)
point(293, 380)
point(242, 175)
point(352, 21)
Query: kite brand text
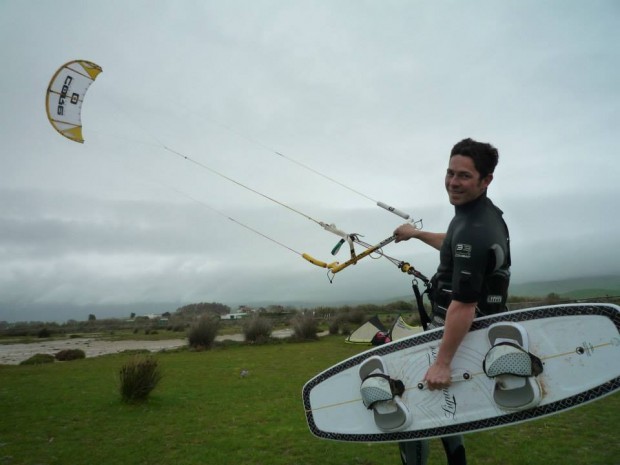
point(63, 95)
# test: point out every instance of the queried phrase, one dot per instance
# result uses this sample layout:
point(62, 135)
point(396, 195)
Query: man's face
point(463, 182)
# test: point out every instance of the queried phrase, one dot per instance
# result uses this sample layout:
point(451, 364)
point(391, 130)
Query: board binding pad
point(578, 346)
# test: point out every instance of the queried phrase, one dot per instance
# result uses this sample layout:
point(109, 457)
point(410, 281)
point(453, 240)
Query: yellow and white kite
point(65, 95)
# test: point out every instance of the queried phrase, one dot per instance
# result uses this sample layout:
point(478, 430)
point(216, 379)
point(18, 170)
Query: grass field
point(203, 412)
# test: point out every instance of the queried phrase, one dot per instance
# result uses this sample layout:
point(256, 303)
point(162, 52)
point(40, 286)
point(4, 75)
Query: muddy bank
point(13, 354)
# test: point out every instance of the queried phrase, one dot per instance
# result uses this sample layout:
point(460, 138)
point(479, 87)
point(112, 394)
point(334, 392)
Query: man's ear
point(487, 180)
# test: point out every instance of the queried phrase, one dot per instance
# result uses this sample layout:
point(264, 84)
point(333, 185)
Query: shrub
point(304, 327)
point(138, 378)
point(38, 359)
point(201, 334)
point(356, 316)
point(70, 354)
point(257, 329)
point(43, 333)
point(135, 351)
point(341, 325)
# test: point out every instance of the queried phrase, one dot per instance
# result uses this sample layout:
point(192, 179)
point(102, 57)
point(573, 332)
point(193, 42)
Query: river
point(13, 354)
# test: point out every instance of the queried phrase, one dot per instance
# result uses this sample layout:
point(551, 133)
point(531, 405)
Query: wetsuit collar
point(471, 205)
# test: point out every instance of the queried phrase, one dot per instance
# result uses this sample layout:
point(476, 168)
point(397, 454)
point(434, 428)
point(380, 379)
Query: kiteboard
point(510, 368)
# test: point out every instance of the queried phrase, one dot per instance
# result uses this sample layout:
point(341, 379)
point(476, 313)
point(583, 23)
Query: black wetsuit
point(474, 260)
point(474, 267)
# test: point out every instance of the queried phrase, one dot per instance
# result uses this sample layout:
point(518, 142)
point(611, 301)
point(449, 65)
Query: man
point(473, 274)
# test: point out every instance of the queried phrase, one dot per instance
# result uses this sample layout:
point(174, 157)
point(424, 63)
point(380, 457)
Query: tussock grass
point(67, 355)
point(138, 377)
point(202, 334)
point(203, 412)
point(257, 329)
point(38, 359)
point(305, 327)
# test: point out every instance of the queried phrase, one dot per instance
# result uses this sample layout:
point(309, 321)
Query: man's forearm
point(408, 231)
point(435, 240)
point(458, 321)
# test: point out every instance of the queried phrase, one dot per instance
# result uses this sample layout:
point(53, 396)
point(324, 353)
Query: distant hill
point(577, 288)
point(569, 289)
point(573, 288)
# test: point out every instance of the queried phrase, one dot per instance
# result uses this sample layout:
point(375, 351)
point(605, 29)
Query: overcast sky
point(371, 93)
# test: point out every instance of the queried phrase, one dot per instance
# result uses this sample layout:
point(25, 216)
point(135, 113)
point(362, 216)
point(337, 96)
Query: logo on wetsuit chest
point(463, 251)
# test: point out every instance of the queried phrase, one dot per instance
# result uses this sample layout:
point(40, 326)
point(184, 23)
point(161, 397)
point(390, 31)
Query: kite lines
point(64, 98)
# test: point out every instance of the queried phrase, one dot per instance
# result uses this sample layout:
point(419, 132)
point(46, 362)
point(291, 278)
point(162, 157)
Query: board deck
point(579, 345)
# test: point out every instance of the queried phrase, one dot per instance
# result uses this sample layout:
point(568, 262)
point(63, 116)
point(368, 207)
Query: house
point(234, 316)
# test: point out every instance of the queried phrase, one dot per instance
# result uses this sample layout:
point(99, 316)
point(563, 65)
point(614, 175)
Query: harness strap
point(424, 318)
point(378, 387)
point(507, 358)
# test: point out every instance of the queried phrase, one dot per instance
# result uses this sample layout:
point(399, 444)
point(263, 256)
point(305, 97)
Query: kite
point(64, 98)
point(65, 94)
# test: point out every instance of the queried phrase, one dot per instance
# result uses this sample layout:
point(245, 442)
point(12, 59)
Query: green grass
point(203, 412)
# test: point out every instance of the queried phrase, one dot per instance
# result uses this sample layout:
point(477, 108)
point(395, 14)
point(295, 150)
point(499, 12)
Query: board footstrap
point(382, 394)
point(378, 387)
point(513, 368)
point(507, 358)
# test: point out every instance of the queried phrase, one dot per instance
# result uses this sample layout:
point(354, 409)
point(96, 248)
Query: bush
point(356, 316)
point(70, 354)
point(135, 352)
point(304, 327)
point(44, 333)
point(39, 359)
point(138, 378)
point(257, 329)
point(201, 334)
point(341, 325)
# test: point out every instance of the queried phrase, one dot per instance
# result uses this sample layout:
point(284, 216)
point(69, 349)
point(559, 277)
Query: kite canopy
point(370, 332)
point(65, 95)
point(401, 330)
point(365, 333)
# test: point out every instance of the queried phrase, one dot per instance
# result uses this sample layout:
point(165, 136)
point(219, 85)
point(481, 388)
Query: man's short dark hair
point(484, 155)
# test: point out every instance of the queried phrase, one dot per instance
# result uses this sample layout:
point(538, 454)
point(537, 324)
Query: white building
point(234, 316)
